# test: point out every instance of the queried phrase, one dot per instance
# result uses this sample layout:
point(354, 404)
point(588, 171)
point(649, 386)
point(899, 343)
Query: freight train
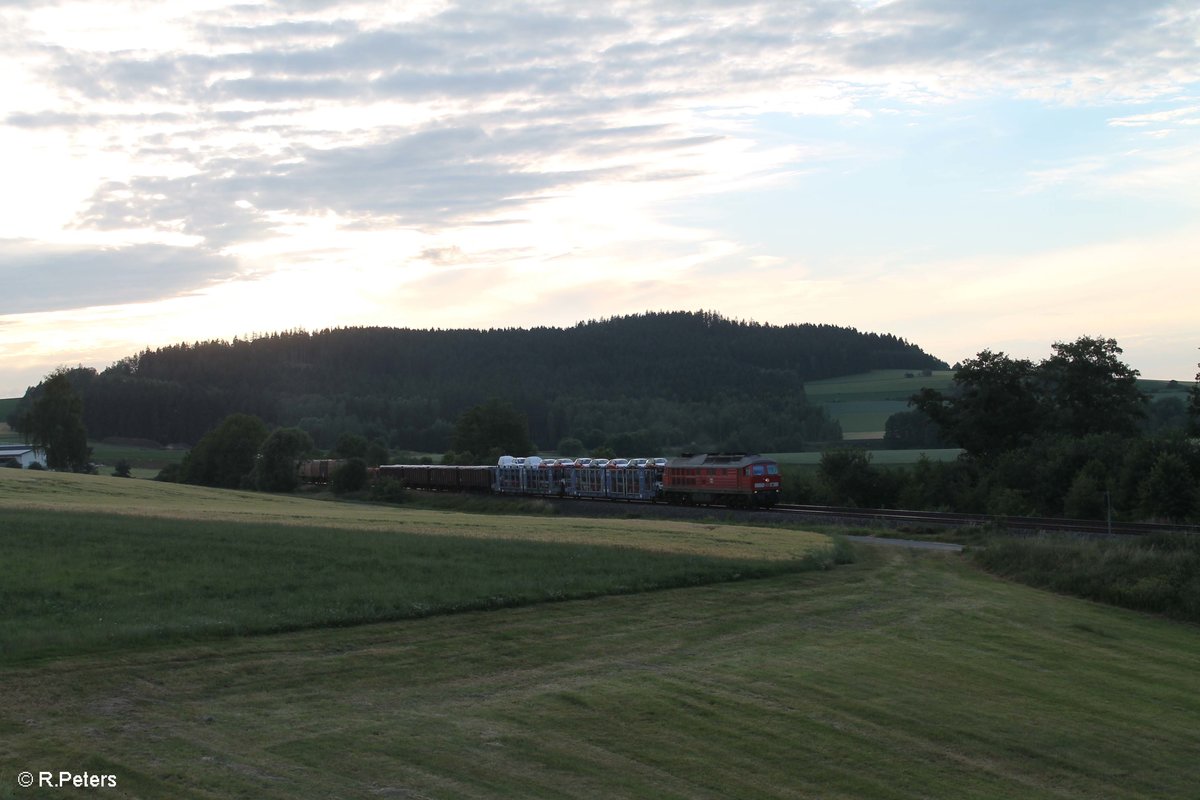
point(733, 479)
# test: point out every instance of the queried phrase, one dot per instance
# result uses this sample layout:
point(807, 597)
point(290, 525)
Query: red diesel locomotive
point(736, 479)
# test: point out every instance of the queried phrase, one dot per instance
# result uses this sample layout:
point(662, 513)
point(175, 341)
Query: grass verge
point(1159, 574)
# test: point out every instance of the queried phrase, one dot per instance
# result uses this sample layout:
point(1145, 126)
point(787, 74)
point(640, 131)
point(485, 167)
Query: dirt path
point(910, 543)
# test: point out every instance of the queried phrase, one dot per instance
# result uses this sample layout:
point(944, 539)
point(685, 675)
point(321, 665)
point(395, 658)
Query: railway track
point(882, 517)
point(898, 518)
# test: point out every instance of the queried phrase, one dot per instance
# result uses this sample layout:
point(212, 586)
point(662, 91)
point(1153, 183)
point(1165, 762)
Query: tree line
point(1063, 437)
point(645, 383)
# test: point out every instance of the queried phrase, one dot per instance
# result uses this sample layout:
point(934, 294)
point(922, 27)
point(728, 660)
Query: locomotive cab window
point(760, 469)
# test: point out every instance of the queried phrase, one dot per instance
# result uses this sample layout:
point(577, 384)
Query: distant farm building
point(23, 455)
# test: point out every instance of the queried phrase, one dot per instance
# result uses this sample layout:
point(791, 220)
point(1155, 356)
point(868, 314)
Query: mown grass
point(84, 582)
point(902, 676)
point(1158, 574)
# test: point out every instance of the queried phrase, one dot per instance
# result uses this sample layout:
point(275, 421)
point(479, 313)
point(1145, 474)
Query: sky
point(965, 174)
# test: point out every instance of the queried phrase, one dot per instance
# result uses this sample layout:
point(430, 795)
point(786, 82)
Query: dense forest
point(636, 384)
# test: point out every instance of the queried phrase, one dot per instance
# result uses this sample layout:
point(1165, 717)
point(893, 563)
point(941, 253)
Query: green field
point(87, 582)
point(879, 384)
point(903, 675)
point(887, 458)
point(862, 403)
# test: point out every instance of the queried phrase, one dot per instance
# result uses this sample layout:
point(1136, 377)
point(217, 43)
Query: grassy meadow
point(863, 402)
point(885, 458)
point(87, 582)
point(901, 675)
point(99, 563)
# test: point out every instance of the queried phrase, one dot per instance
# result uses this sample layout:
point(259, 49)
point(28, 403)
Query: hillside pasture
point(884, 458)
point(862, 403)
point(145, 461)
point(879, 384)
point(863, 419)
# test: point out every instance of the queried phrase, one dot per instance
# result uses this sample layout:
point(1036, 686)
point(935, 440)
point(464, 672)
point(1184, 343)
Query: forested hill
point(665, 379)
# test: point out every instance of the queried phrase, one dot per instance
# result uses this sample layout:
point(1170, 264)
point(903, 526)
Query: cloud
point(703, 51)
point(1167, 119)
point(1066, 50)
point(40, 278)
point(491, 141)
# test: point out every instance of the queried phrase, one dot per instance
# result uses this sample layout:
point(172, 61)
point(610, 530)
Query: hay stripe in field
point(103, 494)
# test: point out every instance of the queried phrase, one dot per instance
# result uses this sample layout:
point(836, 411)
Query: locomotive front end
point(762, 479)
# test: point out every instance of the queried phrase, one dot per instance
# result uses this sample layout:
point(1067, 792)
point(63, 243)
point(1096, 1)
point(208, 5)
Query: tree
point(1164, 415)
point(570, 447)
point(852, 480)
point(351, 445)
point(1088, 497)
point(226, 455)
point(1194, 407)
point(281, 455)
point(995, 405)
point(377, 453)
point(1169, 490)
point(1001, 404)
point(494, 425)
point(55, 422)
point(1090, 390)
point(911, 429)
point(349, 477)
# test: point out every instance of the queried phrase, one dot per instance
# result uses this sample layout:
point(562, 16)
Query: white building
point(23, 454)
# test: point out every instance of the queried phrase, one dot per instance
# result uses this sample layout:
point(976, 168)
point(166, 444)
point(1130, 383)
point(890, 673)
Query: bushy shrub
point(349, 477)
point(388, 490)
point(168, 474)
point(1169, 489)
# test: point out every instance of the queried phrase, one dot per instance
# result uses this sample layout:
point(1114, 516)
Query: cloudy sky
point(966, 174)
